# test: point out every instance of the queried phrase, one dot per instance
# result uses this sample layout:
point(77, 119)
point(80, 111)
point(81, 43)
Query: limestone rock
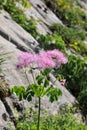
point(3, 116)
point(13, 40)
point(83, 3)
point(48, 16)
point(20, 36)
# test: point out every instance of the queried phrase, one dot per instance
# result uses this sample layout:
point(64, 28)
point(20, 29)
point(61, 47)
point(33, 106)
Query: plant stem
point(27, 76)
point(33, 76)
point(38, 124)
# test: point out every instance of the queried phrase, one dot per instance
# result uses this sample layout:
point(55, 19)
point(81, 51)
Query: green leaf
point(40, 79)
point(46, 82)
point(29, 93)
point(25, 3)
point(38, 90)
point(45, 72)
point(53, 94)
point(19, 90)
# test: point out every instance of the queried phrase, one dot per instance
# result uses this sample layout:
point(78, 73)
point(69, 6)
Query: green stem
point(38, 124)
point(33, 76)
point(27, 76)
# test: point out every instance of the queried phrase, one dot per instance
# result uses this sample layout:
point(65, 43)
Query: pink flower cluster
point(46, 59)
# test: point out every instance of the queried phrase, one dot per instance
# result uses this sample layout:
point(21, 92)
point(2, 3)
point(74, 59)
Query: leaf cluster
point(69, 35)
point(69, 12)
point(41, 88)
point(50, 42)
point(4, 3)
point(75, 73)
point(63, 120)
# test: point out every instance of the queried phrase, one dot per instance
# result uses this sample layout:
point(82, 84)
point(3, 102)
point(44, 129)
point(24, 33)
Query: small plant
point(82, 98)
point(50, 42)
point(83, 48)
point(3, 3)
point(75, 73)
point(80, 47)
point(69, 12)
point(45, 61)
point(63, 120)
point(69, 35)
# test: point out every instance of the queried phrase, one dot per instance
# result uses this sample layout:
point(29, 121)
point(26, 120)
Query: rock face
point(13, 40)
point(83, 3)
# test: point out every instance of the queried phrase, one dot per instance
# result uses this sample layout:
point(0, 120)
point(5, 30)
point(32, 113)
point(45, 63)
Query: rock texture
point(83, 3)
point(13, 40)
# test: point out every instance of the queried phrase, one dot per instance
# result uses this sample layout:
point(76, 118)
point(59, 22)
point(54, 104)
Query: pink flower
point(45, 62)
point(58, 57)
point(53, 53)
point(25, 59)
point(46, 59)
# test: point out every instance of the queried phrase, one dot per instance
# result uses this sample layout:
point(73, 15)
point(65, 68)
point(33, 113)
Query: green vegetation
point(63, 33)
point(50, 42)
point(79, 47)
point(38, 90)
point(69, 12)
point(73, 37)
point(69, 35)
point(4, 3)
point(75, 73)
point(64, 120)
point(75, 19)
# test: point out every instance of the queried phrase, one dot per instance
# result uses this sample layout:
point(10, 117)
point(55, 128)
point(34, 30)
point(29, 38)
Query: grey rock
point(83, 3)
point(3, 116)
point(45, 12)
point(11, 31)
point(14, 40)
point(14, 76)
point(44, 16)
point(40, 21)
